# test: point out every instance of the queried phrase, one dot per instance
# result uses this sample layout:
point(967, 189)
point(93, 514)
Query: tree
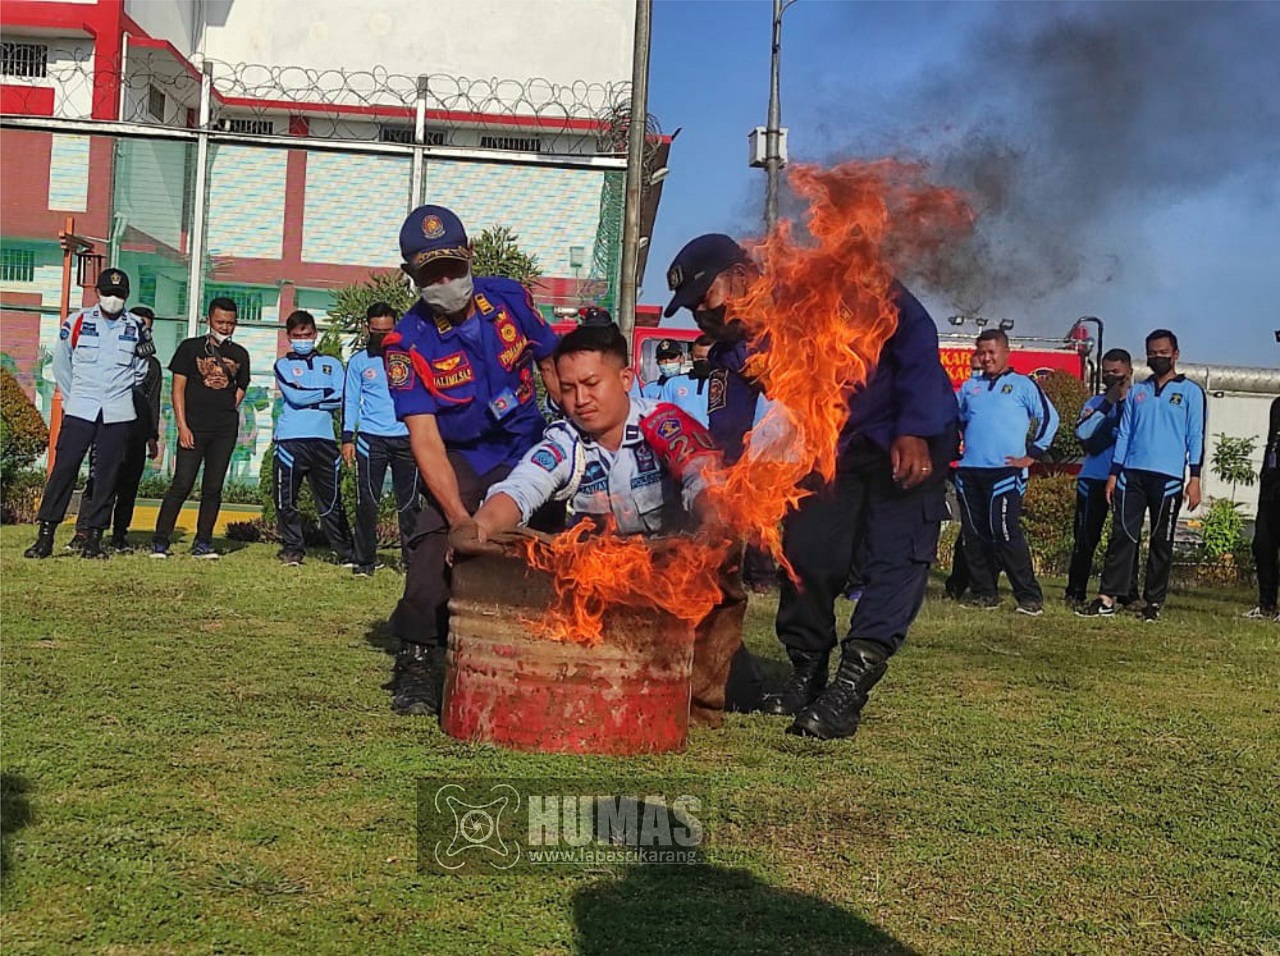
point(23, 435)
point(1232, 461)
point(1068, 395)
point(497, 252)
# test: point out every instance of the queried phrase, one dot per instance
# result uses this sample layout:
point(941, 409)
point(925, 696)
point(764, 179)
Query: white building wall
point(172, 20)
point(69, 73)
point(564, 41)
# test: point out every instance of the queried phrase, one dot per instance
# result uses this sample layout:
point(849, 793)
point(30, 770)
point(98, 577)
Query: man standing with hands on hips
point(1160, 439)
point(460, 369)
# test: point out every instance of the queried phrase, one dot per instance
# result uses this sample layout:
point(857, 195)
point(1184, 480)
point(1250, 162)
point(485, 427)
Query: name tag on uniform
point(503, 404)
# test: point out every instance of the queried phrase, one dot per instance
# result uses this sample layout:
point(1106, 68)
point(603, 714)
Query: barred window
point(155, 104)
point(17, 265)
point(395, 134)
point(254, 127)
point(519, 144)
point(248, 300)
point(24, 59)
point(388, 133)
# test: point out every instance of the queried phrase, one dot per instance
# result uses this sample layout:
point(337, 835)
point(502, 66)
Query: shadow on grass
point(380, 636)
point(15, 813)
point(705, 909)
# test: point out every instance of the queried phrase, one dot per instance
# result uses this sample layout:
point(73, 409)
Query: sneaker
point(362, 570)
point(159, 550)
point(979, 603)
point(1151, 613)
point(204, 551)
point(290, 559)
point(1261, 613)
point(1030, 608)
point(1096, 608)
point(121, 546)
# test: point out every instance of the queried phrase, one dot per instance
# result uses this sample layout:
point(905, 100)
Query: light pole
point(773, 131)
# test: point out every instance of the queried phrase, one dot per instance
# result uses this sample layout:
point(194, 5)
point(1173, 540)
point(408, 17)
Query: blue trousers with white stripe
point(317, 460)
point(1136, 494)
point(990, 513)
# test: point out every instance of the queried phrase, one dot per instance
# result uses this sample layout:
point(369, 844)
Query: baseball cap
point(113, 282)
point(696, 266)
point(432, 232)
point(594, 316)
point(668, 348)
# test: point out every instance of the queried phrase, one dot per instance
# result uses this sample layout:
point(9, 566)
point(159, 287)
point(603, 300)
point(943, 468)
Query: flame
point(819, 314)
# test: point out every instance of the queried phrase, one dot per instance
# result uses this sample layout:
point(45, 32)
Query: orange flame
point(818, 315)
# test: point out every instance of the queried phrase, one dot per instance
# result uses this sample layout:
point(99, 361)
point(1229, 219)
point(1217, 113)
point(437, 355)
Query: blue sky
point(1147, 137)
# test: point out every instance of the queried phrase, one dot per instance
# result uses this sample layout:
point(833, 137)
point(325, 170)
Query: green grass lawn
point(199, 758)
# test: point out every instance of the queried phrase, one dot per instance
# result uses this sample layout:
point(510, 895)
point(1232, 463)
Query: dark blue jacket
point(909, 392)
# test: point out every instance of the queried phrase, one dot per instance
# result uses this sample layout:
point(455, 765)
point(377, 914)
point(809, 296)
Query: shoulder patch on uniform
point(399, 370)
point(718, 390)
point(65, 333)
point(669, 427)
point(547, 457)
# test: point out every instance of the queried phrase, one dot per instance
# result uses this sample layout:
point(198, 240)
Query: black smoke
point(1065, 123)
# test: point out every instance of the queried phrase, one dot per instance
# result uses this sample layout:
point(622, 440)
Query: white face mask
point(218, 337)
point(448, 298)
point(110, 304)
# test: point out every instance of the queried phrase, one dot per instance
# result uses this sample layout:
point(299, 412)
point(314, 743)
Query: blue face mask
point(303, 346)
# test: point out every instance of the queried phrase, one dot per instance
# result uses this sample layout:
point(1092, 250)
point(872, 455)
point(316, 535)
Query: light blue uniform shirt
point(96, 365)
point(995, 414)
point(367, 407)
point(689, 394)
point(311, 386)
point(1162, 429)
point(1096, 429)
point(634, 484)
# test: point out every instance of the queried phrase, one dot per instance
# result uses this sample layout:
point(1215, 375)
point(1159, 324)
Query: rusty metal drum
point(504, 685)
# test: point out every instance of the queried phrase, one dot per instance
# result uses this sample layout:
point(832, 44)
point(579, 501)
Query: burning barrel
point(628, 694)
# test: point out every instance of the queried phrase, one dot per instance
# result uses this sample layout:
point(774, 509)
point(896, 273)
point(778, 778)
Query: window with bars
point(388, 133)
point(254, 127)
point(24, 59)
point(248, 301)
point(155, 104)
point(519, 144)
point(17, 265)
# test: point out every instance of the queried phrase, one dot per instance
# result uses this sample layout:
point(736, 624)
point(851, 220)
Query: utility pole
point(629, 281)
point(773, 159)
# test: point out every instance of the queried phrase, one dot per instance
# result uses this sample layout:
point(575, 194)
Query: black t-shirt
point(214, 374)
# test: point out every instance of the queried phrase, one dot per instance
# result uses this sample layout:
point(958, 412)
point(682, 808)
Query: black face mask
point(375, 342)
point(712, 321)
point(701, 369)
point(1160, 364)
point(1111, 381)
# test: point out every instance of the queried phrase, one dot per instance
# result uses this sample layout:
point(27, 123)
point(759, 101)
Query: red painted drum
point(504, 685)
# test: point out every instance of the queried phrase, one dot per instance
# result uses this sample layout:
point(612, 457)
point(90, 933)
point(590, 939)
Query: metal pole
point(629, 281)
point(195, 273)
point(418, 185)
point(772, 161)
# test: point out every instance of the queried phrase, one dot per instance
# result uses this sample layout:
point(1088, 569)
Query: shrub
point(1048, 518)
point(1222, 529)
point(20, 496)
point(1068, 395)
point(23, 433)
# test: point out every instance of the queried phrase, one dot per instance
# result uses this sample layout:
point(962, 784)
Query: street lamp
point(774, 136)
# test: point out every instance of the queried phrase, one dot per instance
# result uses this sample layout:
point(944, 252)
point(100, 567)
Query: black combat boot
point(808, 677)
point(837, 712)
point(44, 541)
point(418, 680)
point(93, 545)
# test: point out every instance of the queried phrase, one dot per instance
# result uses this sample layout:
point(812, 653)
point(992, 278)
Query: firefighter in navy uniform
point(887, 493)
point(99, 359)
point(460, 368)
point(1266, 530)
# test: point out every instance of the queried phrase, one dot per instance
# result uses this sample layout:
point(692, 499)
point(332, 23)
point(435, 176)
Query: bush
point(20, 496)
point(1048, 520)
point(1068, 395)
point(1222, 529)
point(23, 433)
